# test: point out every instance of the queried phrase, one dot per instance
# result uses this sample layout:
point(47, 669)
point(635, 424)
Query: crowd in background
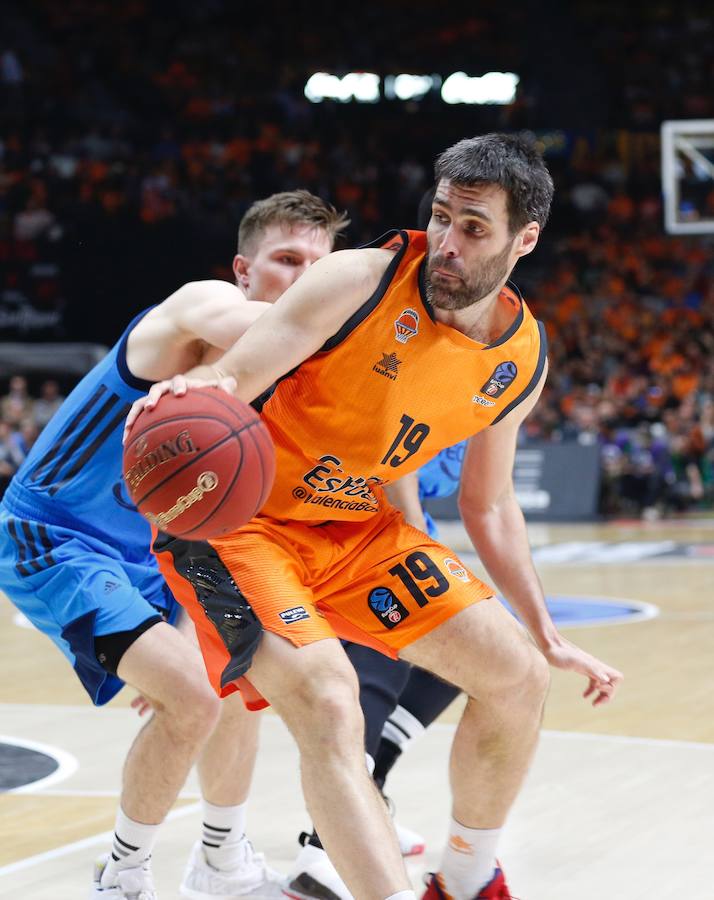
point(22, 417)
point(135, 135)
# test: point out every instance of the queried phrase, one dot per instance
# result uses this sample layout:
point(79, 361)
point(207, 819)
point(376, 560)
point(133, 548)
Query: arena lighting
point(493, 87)
point(360, 86)
point(364, 87)
point(409, 87)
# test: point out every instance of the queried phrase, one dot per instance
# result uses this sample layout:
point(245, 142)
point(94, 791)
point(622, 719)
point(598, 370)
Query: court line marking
point(99, 794)
point(67, 763)
point(66, 849)
point(623, 739)
point(641, 610)
point(106, 836)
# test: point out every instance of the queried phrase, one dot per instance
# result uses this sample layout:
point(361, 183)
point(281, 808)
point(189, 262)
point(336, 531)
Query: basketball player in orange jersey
point(382, 357)
point(74, 559)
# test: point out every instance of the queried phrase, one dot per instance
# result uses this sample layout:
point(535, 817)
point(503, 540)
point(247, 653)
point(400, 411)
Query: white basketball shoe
point(122, 884)
point(313, 877)
point(252, 879)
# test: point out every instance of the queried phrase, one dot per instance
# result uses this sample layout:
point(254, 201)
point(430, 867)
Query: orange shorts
point(379, 582)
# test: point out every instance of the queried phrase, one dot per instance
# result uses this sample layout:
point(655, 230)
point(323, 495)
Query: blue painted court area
point(572, 612)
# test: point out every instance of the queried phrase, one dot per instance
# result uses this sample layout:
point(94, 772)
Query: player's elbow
point(475, 505)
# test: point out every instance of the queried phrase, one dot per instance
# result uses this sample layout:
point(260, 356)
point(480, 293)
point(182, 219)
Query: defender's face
point(471, 250)
point(280, 258)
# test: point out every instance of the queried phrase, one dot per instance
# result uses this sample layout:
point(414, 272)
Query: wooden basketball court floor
point(619, 803)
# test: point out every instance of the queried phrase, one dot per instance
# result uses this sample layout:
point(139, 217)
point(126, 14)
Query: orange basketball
point(200, 465)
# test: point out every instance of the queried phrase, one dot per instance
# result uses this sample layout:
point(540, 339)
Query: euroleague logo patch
point(503, 376)
point(407, 325)
point(387, 607)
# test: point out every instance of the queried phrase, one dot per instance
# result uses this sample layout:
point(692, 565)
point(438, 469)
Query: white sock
point(132, 844)
point(469, 860)
point(402, 895)
point(401, 728)
point(223, 831)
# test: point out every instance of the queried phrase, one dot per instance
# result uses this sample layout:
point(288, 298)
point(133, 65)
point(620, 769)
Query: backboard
point(688, 176)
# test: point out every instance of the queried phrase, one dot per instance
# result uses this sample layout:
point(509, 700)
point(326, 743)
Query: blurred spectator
point(17, 404)
point(148, 151)
point(48, 403)
point(11, 456)
point(25, 436)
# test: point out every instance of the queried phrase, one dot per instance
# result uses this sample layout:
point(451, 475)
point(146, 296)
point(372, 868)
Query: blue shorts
point(75, 588)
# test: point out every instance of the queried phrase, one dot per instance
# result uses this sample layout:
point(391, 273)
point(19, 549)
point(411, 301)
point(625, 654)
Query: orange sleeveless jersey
point(390, 390)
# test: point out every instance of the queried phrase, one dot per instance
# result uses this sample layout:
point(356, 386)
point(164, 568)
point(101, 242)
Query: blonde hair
point(289, 208)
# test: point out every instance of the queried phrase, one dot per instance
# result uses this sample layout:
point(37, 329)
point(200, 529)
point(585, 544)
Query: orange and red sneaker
point(496, 889)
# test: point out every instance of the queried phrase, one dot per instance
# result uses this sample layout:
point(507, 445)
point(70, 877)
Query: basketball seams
point(240, 422)
point(226, 496)
point(263, 437)
point(185, 535)
point(259, 457)
point(227, 437)
point(190, 418)
point(218, 399)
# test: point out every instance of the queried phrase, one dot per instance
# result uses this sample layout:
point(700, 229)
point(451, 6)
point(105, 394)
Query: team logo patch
point(387, 607)
point(407, 325)
point(294, 614)
point(388, 366)
point(504, 374)
point(454, 567)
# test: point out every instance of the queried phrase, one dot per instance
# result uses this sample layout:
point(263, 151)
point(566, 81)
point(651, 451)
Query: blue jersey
point(73, 475)
point(440, 478)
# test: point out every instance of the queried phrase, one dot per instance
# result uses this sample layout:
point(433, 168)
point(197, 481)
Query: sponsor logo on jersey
point(388, 366)
point(407, 325)
point(503, 376)
point(294, 614)
point(482, 401)
point(454, 567)
point(328, 478)
point(205, 483)
point(387, 607)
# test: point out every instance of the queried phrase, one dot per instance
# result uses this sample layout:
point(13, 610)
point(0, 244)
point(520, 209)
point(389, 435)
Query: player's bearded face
point(469, 285)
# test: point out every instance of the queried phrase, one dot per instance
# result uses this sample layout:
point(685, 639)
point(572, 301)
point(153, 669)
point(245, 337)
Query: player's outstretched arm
point(312, 310)
point(199, 316)
point(496, 526)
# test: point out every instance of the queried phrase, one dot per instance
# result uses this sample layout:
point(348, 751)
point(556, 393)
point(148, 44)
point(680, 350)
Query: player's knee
point(532, 678)
point(520, 682)
point(329, 706)
point(192, 706)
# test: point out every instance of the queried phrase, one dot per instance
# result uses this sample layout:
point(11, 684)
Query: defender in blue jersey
point(75, 559)
point(74, 554)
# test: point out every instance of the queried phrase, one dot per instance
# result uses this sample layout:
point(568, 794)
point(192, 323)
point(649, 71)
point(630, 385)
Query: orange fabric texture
point(380, 582)
point(389, 396)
